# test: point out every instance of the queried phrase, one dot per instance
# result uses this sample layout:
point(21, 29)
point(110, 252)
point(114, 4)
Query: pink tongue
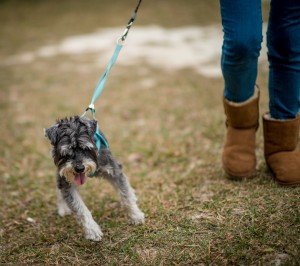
point(80, 179)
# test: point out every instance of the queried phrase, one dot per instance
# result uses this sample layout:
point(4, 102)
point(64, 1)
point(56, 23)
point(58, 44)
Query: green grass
point(194, 215)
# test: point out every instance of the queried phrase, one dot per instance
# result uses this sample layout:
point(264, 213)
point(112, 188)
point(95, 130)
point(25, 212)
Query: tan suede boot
point(238, 158)
point(281, 152)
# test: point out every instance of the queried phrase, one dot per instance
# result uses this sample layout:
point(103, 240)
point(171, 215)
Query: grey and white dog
point(77, 157)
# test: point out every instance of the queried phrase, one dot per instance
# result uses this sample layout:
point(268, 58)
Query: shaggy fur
point(76, 157)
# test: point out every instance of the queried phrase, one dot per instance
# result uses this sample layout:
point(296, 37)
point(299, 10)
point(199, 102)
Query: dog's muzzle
point(78, 174)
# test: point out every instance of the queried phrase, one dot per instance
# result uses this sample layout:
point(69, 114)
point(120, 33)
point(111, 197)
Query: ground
point(165, 124)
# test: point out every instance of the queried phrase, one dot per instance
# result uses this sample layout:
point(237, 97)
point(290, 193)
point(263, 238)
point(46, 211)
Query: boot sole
point(284, 184)
point(238, 177)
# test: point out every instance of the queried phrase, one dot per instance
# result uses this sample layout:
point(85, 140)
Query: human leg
point(283, 40)
point(242, 26)
point(281, 126)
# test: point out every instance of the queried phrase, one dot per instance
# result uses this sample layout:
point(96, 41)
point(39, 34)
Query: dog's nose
point(79, 168)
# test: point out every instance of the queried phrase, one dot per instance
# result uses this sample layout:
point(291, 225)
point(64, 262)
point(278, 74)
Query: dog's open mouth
point(80, 179)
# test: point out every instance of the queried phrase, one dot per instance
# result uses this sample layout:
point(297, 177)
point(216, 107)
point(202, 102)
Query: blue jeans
point(242, 26)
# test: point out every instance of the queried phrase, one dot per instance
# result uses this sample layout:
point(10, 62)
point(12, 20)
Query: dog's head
point(74, 148)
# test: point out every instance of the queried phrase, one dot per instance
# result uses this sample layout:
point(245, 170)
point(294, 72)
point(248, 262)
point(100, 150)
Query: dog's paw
point(136, 218)
point(93, 233)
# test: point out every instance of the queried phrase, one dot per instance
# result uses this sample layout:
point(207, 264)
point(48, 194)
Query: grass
point(194, 215)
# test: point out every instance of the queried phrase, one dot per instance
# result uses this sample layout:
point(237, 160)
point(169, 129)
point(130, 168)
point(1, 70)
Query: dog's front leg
point(62, 207)
point(73, 200)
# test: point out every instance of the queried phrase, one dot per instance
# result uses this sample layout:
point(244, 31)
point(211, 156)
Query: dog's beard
point(89, 166)
point(78, 179)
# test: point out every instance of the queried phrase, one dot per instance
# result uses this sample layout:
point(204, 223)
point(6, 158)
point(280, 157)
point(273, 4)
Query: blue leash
point(99, 138)
point(97, 92)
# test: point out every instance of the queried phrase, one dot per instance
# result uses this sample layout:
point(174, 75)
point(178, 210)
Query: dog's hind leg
point(119, 180)
point(73, 200)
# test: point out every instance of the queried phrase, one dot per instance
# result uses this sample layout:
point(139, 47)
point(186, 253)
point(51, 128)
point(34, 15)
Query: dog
point(77, 158)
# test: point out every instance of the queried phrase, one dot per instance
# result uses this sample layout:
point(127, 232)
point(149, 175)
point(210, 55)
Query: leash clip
point(125, 33)
point(121, 41)
point(91, 107)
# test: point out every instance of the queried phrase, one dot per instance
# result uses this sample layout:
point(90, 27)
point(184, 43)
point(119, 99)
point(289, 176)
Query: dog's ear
point(91, 125)
point(52, 133)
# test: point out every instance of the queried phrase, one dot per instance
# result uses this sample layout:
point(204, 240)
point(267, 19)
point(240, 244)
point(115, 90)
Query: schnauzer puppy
point(77, 158)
